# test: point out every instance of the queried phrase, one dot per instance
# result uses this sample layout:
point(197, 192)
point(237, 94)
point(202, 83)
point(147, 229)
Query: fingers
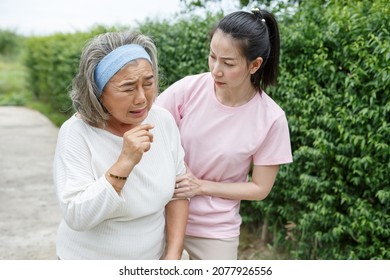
point(184, 192)
point(188, 176)
point(186, 186)
point(142, 132)
point(137, 141)
point(185, 180)
point(181, 178)
point(147, 146)
point(146, 126)
point(145, 141)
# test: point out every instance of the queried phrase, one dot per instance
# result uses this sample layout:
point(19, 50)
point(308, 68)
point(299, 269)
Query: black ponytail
point(258, 36)
point(269, 72)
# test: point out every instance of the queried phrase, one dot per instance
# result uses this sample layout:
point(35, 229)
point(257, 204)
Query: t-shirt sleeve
point(276, 148)
point(173, 99)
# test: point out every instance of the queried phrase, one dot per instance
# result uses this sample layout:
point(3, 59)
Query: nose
point(216, 69)
point(140, 97)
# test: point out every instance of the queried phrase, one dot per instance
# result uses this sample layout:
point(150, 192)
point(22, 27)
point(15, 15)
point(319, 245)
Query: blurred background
point(333, 202)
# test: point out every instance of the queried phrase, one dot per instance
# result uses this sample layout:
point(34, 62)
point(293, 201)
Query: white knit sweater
point(97, 222)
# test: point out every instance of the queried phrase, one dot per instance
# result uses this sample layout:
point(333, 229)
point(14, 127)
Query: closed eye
point(128, 89)
point(212, 56)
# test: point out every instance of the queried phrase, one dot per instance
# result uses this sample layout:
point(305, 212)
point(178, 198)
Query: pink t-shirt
point(220, 143)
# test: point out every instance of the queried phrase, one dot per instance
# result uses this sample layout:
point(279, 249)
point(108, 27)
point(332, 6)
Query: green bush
point(183, 46)
point(12, 83)
point(9, 43)
point(53, 62)
point(333, 202)
point(12, 73)
point(334, 87)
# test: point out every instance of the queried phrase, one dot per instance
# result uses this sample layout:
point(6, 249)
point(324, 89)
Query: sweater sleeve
point(178, 151)
point(85, 199)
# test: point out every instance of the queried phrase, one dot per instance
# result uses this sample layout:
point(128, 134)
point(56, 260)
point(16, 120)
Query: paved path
point(29, 213)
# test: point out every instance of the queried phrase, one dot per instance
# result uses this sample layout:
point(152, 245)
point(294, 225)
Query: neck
point(235, 97)
point(117, 128)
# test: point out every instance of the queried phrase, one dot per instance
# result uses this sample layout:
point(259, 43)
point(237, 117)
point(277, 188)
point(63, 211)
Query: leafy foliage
point(12, 73)
point(334, 87)
point(183, 46)
point(9, 42)
point(333, 202)
point(53, 62)
point(193, 4)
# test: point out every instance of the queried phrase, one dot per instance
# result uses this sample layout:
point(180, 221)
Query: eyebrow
point(228, 58)
point(224, 57)
point(133, 82)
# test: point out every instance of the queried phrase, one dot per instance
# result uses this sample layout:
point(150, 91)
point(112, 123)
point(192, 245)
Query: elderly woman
point(117, 158)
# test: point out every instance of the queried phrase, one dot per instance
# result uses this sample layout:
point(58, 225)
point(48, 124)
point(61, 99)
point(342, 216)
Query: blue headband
point(114, 61)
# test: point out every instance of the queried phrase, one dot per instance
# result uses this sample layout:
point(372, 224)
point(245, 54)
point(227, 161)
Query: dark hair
point(258, 36)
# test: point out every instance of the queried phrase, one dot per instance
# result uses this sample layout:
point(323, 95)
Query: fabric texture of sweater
point(97, 222)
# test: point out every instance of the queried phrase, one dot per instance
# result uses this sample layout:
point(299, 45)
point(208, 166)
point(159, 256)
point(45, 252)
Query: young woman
point(227, 124)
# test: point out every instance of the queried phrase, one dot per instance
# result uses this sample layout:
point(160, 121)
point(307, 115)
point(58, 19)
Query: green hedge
point(333, 202)
point(10, 43)
point(183, 46)
point(53, 61)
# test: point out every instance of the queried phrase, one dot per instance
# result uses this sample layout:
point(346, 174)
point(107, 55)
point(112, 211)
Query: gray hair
point(84, 88)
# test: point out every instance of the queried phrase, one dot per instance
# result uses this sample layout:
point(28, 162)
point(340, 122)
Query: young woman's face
point(228, 67)
point(129, 94)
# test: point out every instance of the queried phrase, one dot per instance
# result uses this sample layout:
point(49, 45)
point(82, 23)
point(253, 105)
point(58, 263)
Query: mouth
point(217, 83)
point(138, 112)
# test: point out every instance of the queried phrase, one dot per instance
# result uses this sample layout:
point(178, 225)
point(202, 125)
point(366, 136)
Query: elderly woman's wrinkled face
point(129, 94)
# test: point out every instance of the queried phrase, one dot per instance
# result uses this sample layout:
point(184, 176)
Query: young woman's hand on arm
point(263, 178)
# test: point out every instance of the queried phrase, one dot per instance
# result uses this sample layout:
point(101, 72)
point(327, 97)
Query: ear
point(255, 65)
